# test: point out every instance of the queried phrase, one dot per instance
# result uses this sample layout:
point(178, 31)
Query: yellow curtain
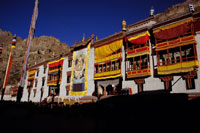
point(106, 75)
point(108, 49)
point(111, 57)
point(178, 68)
point(31, 72)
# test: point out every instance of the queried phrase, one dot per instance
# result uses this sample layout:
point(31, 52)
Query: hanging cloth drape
point(31, 75)
point(139, 39)
point(108, 49)
point(173, 30)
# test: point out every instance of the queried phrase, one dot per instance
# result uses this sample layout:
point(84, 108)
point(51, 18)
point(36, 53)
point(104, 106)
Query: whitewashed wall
point(38, 87)
point(91, 86)
point(46, 88)
point(25, 91)
point(64, 77)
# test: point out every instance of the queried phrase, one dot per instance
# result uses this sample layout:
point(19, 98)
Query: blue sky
point(68, 20)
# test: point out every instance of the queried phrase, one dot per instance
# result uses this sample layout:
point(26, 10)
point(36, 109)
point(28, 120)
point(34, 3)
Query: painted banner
point(78, 86)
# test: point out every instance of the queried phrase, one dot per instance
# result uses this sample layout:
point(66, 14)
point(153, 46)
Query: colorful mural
point(78, 85)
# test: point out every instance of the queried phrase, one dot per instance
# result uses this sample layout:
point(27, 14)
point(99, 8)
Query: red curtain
point(173, 32)
point(56, 64)
point(138, 41)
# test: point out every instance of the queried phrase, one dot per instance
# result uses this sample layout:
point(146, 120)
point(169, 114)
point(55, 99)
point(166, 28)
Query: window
point(43, 81)
point(100, 68)
point(144, 62)
point(38, 72)
point(104, 67)
point(187, 52)
point(113, 65)
point(36, 81)
point(45, 67)
point(68, 77)
point(34, 91)
point(108, 66)
point(176, 55)
point(118, 64)
point(137, 63)
point(163, 57)
point(70, 63)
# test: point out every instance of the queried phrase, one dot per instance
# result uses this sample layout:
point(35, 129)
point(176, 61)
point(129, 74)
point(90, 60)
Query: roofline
point(109, 39)
point(140, 22)
point(184, 16)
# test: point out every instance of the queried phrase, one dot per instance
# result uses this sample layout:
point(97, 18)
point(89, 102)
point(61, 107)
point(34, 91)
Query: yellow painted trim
point(138, 54)
point(51, 84)
point(138, 36)
point(54, 70)
point(55, 61)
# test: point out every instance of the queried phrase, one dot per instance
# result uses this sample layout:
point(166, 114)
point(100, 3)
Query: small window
point(43, 81)
point(163, 57)
point(104, 67)
point(100, 68)
point(118, 64)
point(36, 81)
point(137, 63)
point(113, 65)
point(68, 78)
point(70, 63)
point(144, 62)
point(108, 66)
point(187, 52)
point(45, 67)
point(174, 55)
point(38, 72)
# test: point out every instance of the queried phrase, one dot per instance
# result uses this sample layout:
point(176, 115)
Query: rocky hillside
point(42, 48)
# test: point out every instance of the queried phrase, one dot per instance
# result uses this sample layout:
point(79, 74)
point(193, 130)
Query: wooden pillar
point(167, 80)
point(188, 77)
point(140, 83)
